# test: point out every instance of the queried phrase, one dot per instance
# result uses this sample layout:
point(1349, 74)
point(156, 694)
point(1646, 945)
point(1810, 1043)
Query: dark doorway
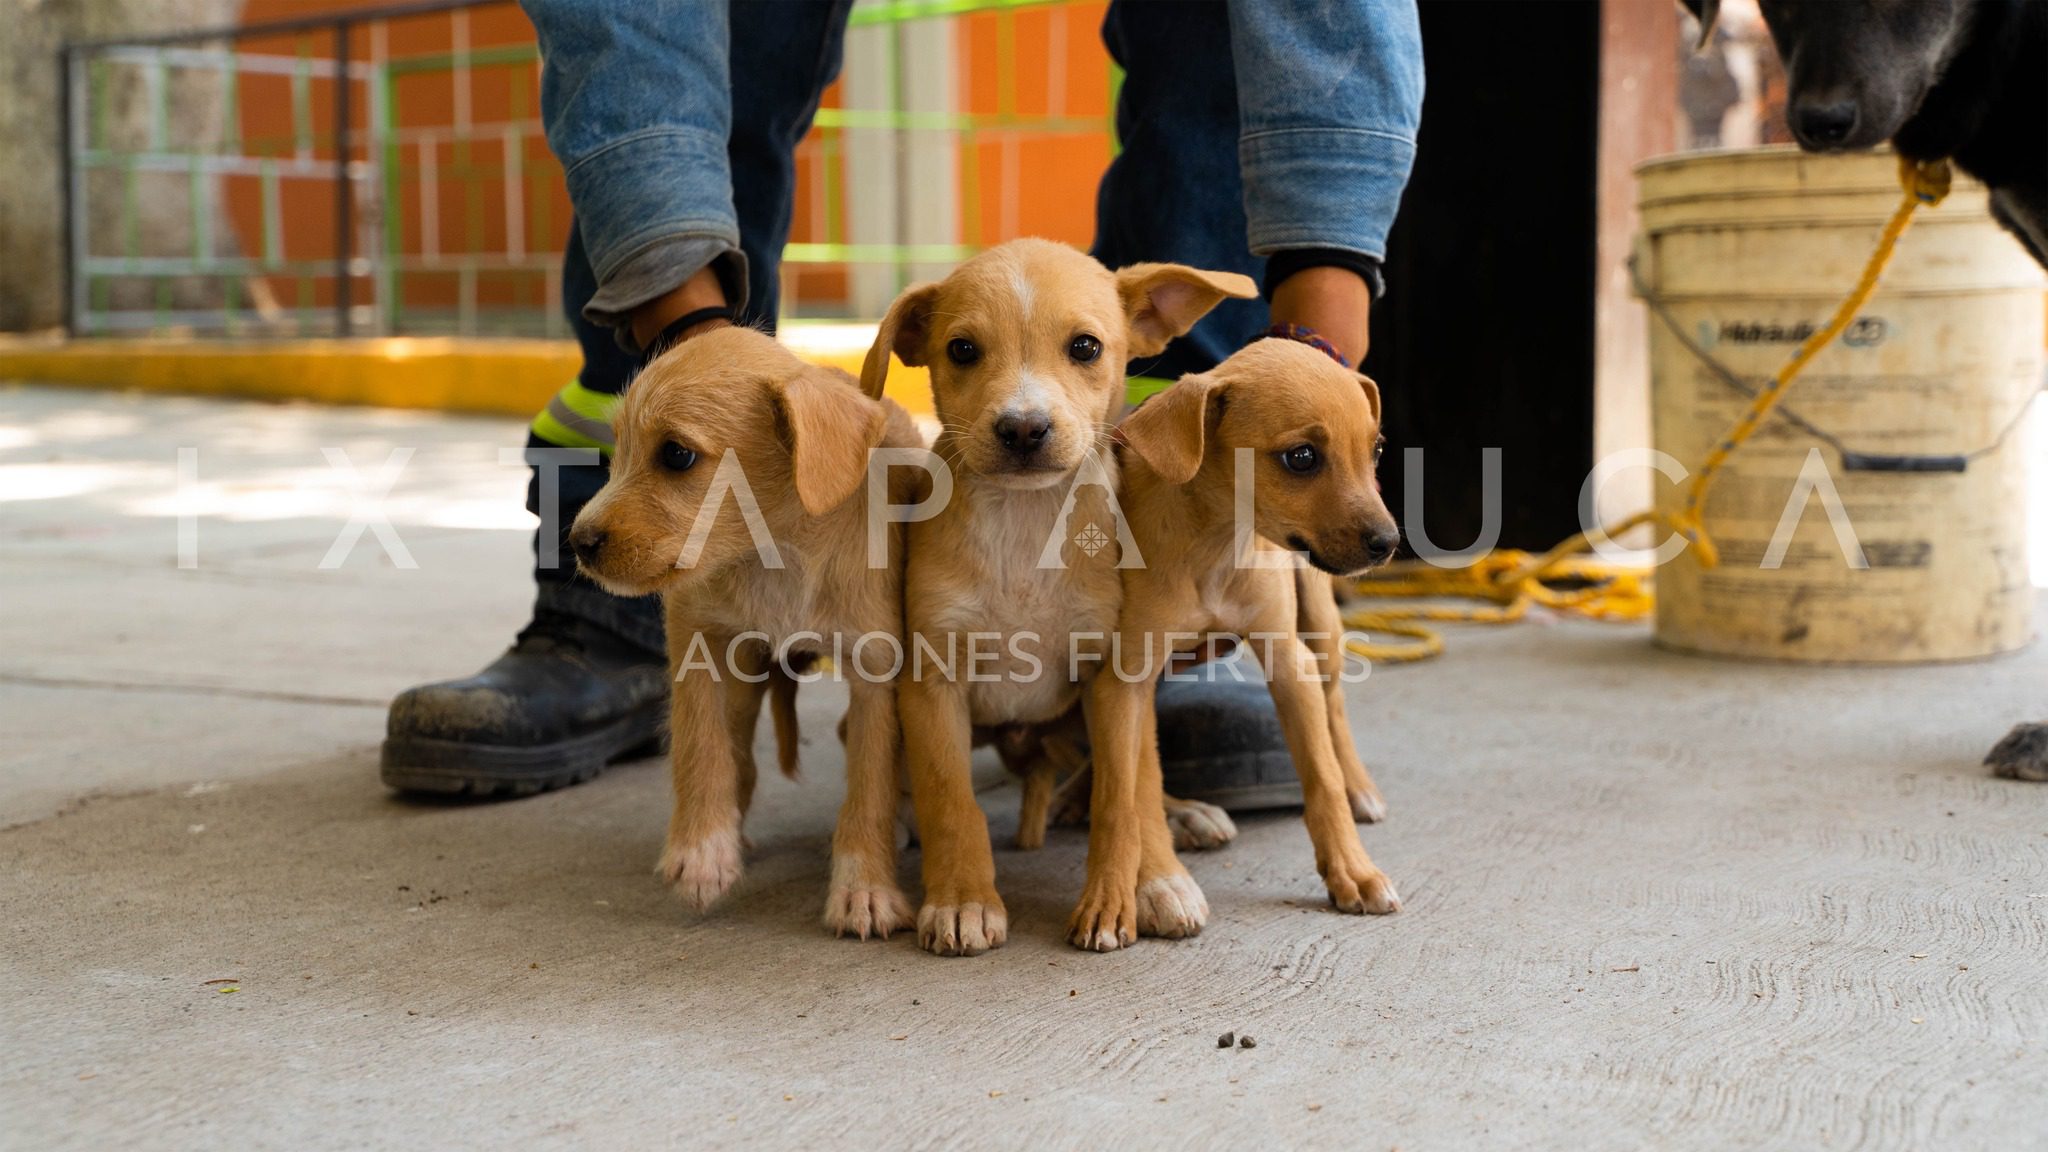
point(1486, 335)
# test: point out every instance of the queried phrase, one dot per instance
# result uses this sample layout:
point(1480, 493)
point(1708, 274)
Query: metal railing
point(383, 171)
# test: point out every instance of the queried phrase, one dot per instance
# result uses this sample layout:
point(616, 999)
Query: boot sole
point(1269, 780)
point(458, 768)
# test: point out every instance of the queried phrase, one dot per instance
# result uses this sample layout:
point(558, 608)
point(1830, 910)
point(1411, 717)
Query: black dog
point(1963, 80)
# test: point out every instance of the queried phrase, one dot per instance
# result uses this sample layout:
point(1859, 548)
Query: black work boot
point(1220, 742)
point(586, 683)
point(570, 697)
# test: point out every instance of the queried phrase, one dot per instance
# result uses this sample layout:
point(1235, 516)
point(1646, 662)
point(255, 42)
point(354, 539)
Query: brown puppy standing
point(1027, 344)
point(777, 563)
point(1303, 432)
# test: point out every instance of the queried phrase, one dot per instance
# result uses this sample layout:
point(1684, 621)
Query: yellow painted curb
point(502, 377)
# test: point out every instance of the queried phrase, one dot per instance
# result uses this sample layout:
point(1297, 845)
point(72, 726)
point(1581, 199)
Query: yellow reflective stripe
point(598, 430)
point(577, 417)
point(598, 406)
point(553, 431)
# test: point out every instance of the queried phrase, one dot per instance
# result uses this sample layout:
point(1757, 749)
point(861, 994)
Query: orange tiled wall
point(1054, 177)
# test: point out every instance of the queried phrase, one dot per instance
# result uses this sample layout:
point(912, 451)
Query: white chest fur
point(1028, 591)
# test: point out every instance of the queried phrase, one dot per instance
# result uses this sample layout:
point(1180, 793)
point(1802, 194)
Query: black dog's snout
point(1023, 433)
point(1824, 124)
point(1380, 544)
point(587, 544)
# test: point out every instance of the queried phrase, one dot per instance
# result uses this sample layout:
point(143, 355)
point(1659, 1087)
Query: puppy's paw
point(866, 910)
point(1106, 919)
point(2023, 754)
point(1366, 805)
point(702, 870)
point(1358, 887)
point(1199, 826)
point(952, 924)
point(1171, 906)
point(1030, 835)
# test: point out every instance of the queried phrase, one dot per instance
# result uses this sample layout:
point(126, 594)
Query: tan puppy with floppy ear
point(1011, 588)
point(1227, 473)
point(736, 493)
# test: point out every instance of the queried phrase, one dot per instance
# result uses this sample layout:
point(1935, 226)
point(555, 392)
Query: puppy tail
point(782, 710)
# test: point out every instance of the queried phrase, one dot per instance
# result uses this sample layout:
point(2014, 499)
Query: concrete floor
point(1652, 900)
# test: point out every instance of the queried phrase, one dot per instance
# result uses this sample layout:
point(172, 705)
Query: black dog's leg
point(2023, 754)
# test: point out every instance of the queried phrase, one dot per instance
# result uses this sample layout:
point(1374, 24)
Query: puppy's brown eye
point(1301, 459)
point(1084, 348)
point(1379, 449)
point(962, 351)
point(677, 458)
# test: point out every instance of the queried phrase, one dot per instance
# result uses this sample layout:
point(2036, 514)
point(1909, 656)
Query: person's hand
point(699, 291)
point(1335, 302)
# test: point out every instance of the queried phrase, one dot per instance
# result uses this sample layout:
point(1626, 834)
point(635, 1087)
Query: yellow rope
point(1509, 581)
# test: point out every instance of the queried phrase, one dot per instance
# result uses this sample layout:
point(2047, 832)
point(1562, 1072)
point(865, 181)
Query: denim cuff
point(1323, 188)
point(649, 206)
point(661, 268)
point(637, 619)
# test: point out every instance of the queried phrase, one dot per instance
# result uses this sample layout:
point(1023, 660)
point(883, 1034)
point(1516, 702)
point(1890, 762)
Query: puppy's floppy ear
point(829, 427)
point(1171, 430)
point(1707, 11)
point(903, 331)
point(1372, 394)
point(1161, 301)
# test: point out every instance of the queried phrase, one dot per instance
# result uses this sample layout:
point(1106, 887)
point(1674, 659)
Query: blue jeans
point(1253, 128)
point(634, 98)
point(1247, 129)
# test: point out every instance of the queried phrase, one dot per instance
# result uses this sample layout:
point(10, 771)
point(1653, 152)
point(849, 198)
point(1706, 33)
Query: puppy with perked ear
point(735, 492)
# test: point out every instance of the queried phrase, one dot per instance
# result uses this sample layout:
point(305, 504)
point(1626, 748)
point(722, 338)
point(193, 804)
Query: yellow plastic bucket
point(1748, 252)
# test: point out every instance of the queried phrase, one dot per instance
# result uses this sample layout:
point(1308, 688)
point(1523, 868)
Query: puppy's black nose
point(587, 543)
point(1824, 124)
point(1023, 433)
point(1380, 544)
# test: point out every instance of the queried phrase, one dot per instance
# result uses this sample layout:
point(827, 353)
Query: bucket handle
point(1852, 460)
